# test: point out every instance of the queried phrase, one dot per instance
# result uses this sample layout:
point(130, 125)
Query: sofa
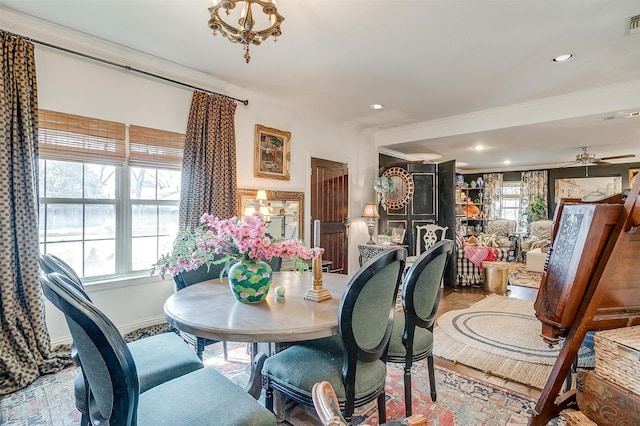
point(496, 243)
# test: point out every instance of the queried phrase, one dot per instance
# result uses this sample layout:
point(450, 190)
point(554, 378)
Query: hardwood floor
point(463, 297)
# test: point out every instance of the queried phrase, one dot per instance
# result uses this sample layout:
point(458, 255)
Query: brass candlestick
point(318, 293)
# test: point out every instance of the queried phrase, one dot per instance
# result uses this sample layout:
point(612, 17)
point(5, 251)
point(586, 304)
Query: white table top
point(209, 310)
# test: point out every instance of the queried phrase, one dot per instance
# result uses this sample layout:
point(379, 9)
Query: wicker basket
point(576, 418)
point(618, 357)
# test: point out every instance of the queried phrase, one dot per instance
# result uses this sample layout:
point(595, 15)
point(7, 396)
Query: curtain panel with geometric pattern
point(25, 349)
point(209, 160)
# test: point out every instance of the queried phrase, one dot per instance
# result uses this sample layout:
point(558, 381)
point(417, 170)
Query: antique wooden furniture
point(590, 283)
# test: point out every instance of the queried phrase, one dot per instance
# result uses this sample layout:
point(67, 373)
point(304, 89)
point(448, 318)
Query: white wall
point(73, 85)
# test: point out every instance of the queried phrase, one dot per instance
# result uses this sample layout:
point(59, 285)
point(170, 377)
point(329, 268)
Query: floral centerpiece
point(242, 244)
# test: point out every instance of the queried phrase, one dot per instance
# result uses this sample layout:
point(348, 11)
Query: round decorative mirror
point(402, 190)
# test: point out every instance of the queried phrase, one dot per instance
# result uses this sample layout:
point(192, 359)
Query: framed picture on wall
point(271, 153)
point(588, 188)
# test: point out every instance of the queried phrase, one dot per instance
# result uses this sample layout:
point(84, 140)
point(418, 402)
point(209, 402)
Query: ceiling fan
point(589, 159)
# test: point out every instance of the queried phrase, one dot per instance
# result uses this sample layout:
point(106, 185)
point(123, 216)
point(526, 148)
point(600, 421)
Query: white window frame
point(67, 137)
point(518, 198)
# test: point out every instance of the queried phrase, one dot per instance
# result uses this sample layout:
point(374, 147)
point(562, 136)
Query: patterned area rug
point(518, 275)
point(499, 336)
point(461, 400)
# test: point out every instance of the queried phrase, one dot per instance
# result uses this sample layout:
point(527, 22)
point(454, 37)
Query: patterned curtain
point(533, 185)
point(209, 160)
point(25, 349)
point(492, 195)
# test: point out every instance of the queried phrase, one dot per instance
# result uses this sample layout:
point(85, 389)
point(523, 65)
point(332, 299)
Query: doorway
point(329, 205)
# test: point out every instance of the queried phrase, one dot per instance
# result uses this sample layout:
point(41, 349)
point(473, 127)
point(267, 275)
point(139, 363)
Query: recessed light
point(506, 162)
point(377, 106)
point(563, 58)
point(478, 148)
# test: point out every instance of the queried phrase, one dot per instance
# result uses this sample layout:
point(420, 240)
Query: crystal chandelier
point(245, 33)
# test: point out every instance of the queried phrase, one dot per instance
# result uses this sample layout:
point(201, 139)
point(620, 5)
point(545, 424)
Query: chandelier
point(245, 33)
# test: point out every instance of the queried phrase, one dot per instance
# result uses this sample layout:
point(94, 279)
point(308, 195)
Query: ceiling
point(424, 60)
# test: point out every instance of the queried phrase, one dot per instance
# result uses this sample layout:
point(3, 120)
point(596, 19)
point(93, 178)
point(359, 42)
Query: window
point(510, 208)
point(102, 216)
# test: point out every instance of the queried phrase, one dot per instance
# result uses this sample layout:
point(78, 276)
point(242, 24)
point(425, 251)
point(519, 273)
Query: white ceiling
point(424, 60)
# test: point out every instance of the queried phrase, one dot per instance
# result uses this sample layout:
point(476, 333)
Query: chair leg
point(224, 350)
point(432, 378)
point(408, 402)
point(84, 421)
point(199, 348)
point(382, 408)
point(268, 394)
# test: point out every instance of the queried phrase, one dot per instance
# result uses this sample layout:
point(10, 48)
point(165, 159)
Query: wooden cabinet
point(469, 212)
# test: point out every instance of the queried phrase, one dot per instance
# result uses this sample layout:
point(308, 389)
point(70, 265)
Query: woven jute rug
point(518, 275)
point(499, 336)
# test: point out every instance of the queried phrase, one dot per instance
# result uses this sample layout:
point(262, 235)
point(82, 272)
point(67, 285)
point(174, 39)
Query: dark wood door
point(329, 205)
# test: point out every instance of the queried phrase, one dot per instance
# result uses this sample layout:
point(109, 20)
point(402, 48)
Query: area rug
point(461, 400)
point(518, 275)
point(499, 336)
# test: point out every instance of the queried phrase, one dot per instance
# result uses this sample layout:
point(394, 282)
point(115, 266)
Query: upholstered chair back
point(50, 263)
point(541, 229)
point(365, 309)
point(501, 227)
point(106, 360)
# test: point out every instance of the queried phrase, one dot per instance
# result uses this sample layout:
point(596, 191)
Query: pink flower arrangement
point(227, 241)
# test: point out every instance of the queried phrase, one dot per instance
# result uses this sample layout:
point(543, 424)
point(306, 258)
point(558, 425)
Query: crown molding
point(602, 100)
point(45, 31)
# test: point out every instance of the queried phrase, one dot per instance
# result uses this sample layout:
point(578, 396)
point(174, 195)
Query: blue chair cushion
point(304, 364)
point(158, 359)
point(422, 340)
point(203, 397)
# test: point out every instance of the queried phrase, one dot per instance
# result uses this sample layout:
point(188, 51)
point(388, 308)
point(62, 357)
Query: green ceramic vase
point(250, 280)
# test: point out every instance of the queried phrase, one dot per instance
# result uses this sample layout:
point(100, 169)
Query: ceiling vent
point(633, 25)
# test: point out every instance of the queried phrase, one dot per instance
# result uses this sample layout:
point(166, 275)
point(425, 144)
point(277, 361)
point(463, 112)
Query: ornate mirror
point(402, 190)
point(282, 210)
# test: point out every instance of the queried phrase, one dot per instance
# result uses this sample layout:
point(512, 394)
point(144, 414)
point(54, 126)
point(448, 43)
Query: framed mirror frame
point(250, 194)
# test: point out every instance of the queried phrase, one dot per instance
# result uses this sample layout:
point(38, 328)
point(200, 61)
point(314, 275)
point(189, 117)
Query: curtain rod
point(245, 102)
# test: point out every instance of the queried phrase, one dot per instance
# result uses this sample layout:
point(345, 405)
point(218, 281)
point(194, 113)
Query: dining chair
point(159, 358)
point(185, 279)
point(426, 236)
point(326, 404)
point(351, 360)
point(412, 336)
point(203, 396)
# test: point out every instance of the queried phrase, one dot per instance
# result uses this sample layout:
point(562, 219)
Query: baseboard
point(123, 329)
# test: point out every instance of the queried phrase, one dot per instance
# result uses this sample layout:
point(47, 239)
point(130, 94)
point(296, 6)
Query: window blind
point(71, 137)
point(155, 148)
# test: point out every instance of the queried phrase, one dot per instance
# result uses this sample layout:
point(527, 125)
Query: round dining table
point(209, 309)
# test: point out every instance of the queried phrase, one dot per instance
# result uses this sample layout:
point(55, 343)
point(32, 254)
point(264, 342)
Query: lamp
point(244, 33)
point(371, 212)
point(265, 214)
point(261, 195)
